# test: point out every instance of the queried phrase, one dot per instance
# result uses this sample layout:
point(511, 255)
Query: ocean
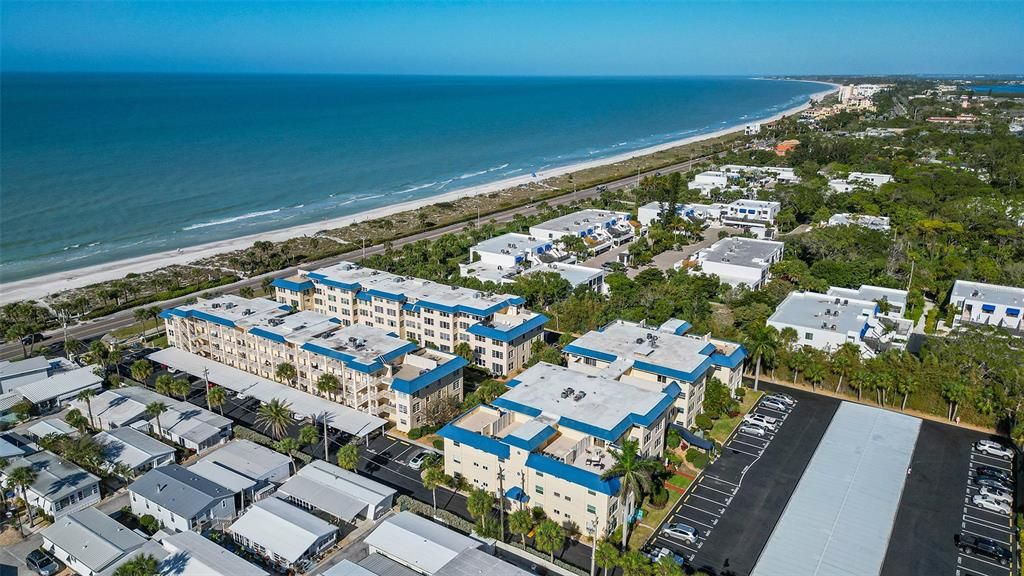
point(98, 168)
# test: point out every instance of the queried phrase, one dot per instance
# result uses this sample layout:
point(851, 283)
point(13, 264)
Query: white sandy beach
point(42, 286)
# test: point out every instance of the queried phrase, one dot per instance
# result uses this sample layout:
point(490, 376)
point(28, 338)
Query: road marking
point(729, 494)
point(720, 480)
point(998, 460)
point(734, 441)
point(986, 523)
point(725, 505)
point(986, 536)
point(744, 434)
point(986, 510)
point(703, 510)
point(989, 456)
point(973, 557)
point(742, 452)
point(688, 519)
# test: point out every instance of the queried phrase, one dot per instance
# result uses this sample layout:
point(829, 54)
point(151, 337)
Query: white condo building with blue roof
point(546, 442)
point(497, 326)
point(379, 373)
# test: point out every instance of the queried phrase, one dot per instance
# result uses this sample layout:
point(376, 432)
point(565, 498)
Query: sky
point(738, 37)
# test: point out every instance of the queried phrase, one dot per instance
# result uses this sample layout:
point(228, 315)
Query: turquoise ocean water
point(97, 168)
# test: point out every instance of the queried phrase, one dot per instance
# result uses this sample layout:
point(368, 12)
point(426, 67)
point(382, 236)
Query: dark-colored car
point(985, 547)
point(993, 482)
point(32, 338)
point(43, 563)
point(993, 472)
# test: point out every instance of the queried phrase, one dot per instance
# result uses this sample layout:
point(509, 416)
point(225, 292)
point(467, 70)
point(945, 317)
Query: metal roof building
point(839, 519)
point(134, 449)
point(282, 531)
point(342, 494)
point(193, 555)
point(61, 387)
point(418, 543)
point(90, 539)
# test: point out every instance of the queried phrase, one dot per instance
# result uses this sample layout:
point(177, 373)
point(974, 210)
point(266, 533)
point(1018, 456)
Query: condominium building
point(747, 214)
point(505, 258)
point(653, 357)
point(827, 321)
point(548, 440)
point(600, 229)
point(737, 261)
point(378, 372)
point(879, 223)
point(497, 326)
point(988, 305)
point(858, 180)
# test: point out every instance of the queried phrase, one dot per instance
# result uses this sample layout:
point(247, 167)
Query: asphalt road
point(100, 326)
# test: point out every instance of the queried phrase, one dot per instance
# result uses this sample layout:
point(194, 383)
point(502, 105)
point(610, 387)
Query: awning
point(516, 494)
point(694, 440)
point(988, 308)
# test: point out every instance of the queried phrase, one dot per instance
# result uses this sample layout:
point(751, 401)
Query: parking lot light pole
point(592, 530)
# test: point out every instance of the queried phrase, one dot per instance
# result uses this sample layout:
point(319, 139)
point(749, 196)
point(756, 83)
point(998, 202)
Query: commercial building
point(988, 305)
point(856, 180)
point(504, 258)
point(60, 487)
point(827, 321)
point(653, 357)
point(90, 542)
point(135, 450)
point(548, 440)
point(181, 423)
point(283, 534)
point(181, 499)
point(879, 223)
point(378, 373)
point(438, 316)
point(737, 261)
point(342, 494)
point(600, 229)
point(248, 470)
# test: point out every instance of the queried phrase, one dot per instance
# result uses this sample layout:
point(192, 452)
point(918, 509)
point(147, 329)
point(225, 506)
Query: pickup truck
point(984, 547)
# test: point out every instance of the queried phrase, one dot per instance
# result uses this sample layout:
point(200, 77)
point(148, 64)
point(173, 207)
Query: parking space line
point(972, 557)
point(983, 455)
point(986, 523)
point(985, 510)
point(984, 536)
point(730, 447)
point(992, 465)
point(720, 480)
point(751, 436)
point(723, 504)
point(702, 510)
point(688, 519)
point(736, 440)
point(729, 494)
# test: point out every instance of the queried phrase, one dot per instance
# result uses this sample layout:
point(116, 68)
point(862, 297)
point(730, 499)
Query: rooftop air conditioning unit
point(639, 340)
point(579, 396)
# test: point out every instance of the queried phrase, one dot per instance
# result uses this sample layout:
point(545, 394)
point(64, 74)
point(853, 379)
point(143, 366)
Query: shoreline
point(39, 287)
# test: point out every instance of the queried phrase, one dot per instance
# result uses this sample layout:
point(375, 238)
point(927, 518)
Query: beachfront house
point(505, 258)
point(987, 305)
point(737, 261)
point(601, 230)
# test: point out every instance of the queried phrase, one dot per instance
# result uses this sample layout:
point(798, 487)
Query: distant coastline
point(39, 287)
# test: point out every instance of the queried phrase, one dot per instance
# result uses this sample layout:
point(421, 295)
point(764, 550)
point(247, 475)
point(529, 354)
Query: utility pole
point(364, 248)
point(911, 279)
point(326, 457)
point(206, 379)
point(592, 530)
point(501, 501)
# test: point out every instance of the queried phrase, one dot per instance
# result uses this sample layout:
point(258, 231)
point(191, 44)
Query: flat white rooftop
point(631, 343)
point(872, 293)
point(513, 243)
point(740, 251)
point(989, 293)
point(820, 311)
point(582, 221)
point(839, 519)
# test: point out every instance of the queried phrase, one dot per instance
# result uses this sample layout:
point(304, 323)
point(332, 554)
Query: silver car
point(761, 420)
point(996, 494)
point(752, 429)
point(993, 449)
point(774, 405)
point(683, 532)
point(991, 504)
point(783, 398)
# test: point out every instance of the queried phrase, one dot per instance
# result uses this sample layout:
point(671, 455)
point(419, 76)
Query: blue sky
point(516, 38)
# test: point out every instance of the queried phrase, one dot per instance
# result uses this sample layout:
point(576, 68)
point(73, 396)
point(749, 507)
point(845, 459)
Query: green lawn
point(680, 481)
point(724, 426)
point(128, 331)
point(653, 517)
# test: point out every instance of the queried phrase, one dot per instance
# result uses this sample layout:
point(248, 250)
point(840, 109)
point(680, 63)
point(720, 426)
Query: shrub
point(697, 458)
point(704, 422)
point(673, 439)
point(659, 497)
point(741, 392)
point(438, 444)
point(149, 523)
point(417, 433)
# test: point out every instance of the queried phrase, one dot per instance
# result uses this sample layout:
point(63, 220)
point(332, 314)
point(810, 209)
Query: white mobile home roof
point(418, 542)
point(341, 417)
point(839, 519)
point(281, 528)
point(50, 426)
point(339, 492)
point(194, 555)
point(60, 385)
point(130, 447)
point(95, 539)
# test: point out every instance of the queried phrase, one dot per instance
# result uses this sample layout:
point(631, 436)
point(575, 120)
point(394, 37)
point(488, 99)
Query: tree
point(635, 472)
point(549, 537)
point(348, 456)
point(667, 566)
point(141, 370)
point(165, 384)
point(247, 292)
point(289, 446)
point(845, 359)
point(327, 384)
point(762, 344)
point(285, 373)
point(466, 351)
point(797, 362)
point(480, 504)
point(75, 419)
point(432, 478)
point(86, 396)
point(71, 348)
point(141, 565)
point(520, 522)
point(275, 417)
point(815, 371)
point(154, 410)
point(634, 563)
point(181, 387)
point(141, 315)
point(907, 376)
point(309, 435)
point(22, 478)
point(606, 556)
point(216, 397)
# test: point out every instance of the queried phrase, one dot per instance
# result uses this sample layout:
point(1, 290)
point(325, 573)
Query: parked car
point(993, 482)
point(996, 494)
point(784, 398)
point(774, 405)
point(969, 544)
point(752, 429)
point(656, 553)
point(683, 532)
point(993, 472)
point(762, 420)
point(991, 504)
point(993, 448)
point(43, 563)
point(417, 461)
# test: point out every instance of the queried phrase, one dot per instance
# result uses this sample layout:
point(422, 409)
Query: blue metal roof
point(267, 334)
point(335, 283)
point(588, 353)
point(474, 440)
point(531, 442)
point(292, 285)
point(355, 363)
point(729, 361)
point(197, 314)
point(683, 328)
point(510, 334)
point(569, 473)
point(429, 377)
point(692, 376)
point(516, 494)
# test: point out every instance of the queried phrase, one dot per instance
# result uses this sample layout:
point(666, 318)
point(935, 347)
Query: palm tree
point(634, 563)
point(815, 372)
point(884, 306)
point(75, 419)
point(845, 359)
point(87, 396)
point(797, 361)
point(216, 397)
point(114, 357)
point(141, 315)
point(154, 410)
point(165, 384)
point(285, 373)
point(519, 522)
point(635, 472)
point(762, 344)
point(309, 435)
point(275, 416)
point(480, 504)
point(22, 478)
point(908, 377)
point(289, 446)
point(141, 370)
point(141, 565)
point(549, 537)
point(858, 380)
point(71, 348)
point(181, 388)
point(327, 384)
point(606, 555)
point(348, 456)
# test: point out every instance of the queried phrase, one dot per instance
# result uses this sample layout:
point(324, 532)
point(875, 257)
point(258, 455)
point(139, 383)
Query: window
point(497, 354)
point(590, 361)
point(591, 509)
point(538, 489)
point(808, 336)
point(557, 495)
point(540, 474)
point(591, 493)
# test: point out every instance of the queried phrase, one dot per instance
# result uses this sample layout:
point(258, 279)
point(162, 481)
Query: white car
point(683, 532)
point(752, 429)
point(762, 420)
point(992, 448)
point(774, 405)
point(996, 494)
point(991, 504)
point(416, 462)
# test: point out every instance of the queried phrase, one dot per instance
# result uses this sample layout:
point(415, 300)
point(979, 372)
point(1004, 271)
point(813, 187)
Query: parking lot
point(739, 497)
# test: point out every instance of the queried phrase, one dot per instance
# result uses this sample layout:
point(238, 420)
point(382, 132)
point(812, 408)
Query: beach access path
point(100, 326)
